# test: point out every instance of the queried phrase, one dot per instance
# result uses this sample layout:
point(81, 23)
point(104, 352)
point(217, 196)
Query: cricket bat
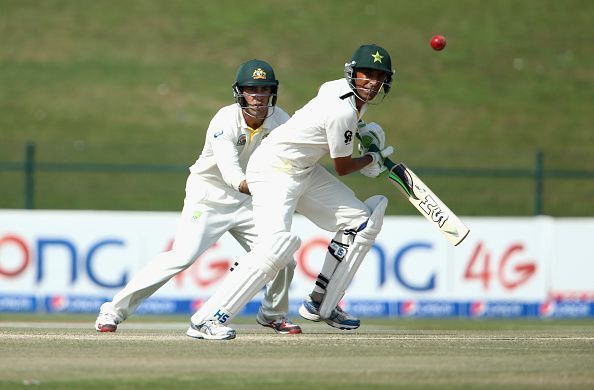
point(428, 204)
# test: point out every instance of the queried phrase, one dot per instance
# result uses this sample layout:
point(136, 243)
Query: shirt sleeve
point(224, 148)
point(340, 131)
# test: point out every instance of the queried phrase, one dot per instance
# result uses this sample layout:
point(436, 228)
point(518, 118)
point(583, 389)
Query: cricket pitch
point(155, 353)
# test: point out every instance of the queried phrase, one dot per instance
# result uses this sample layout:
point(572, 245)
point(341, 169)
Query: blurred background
point(104, 104)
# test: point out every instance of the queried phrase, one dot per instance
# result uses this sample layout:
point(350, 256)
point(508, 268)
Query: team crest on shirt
point(348, 137)
point(241, 140)
point(259, 74)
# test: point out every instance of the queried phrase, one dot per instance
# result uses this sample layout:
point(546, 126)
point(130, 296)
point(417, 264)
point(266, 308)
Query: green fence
point(30, 168)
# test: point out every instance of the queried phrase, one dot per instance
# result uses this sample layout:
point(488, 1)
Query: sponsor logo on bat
point(432, 209)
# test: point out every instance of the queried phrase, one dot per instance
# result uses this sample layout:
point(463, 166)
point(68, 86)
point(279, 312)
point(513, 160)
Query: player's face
point(368, 82)
point(257, 99)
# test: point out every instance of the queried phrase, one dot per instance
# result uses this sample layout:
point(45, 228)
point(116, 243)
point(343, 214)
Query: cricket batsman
point(284, 176)
point(217, 201)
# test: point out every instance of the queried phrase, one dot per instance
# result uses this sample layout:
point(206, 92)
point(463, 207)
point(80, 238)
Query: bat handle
point(387, 162)
point(398, 174)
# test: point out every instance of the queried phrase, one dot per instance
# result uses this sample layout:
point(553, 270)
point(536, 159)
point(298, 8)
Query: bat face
point(428, 204)
point(433, 210)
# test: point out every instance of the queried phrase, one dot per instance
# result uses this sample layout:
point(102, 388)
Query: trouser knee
point(277, 251)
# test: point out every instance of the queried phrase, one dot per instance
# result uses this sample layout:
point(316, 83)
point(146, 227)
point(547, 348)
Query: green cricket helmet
point(254, 73)
point(370, 57)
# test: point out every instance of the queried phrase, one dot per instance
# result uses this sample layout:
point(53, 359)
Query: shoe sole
point(303, 312)
point(340, 326)
point(198, 335)
point(295, 330)
point(106, 328)
point(292, 331)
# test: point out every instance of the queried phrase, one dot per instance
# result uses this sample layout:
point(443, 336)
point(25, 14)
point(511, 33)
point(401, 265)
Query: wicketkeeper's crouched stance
point(284, 176)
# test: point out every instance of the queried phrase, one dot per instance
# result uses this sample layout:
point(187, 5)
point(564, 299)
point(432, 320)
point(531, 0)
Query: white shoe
point(310, 310)
point(106, 322)
point(210, 330)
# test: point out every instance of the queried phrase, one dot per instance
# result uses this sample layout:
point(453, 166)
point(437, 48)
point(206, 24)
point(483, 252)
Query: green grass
point(153, 352)
point(123, 82)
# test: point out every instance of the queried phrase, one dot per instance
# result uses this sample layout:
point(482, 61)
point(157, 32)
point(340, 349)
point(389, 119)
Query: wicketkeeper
point(284, 176)
point(218, 201)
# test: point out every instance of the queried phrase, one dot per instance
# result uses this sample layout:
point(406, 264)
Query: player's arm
point(340, 131)
point(224, 148)
point(345, 165)
point(369, 163)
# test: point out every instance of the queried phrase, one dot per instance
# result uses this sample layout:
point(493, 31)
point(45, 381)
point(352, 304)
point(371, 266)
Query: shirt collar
point(345, 89)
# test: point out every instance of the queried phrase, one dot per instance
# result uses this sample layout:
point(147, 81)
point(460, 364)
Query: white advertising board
point(95, 253)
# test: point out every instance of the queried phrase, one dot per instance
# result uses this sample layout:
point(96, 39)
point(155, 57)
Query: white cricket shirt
point(229, 144)
point(325, 125)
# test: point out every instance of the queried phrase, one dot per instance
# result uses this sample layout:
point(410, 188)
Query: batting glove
point(379, 157)
point(370, 134)
point(373, 170)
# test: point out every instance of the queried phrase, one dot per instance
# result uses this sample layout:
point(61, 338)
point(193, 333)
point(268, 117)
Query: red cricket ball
point(438, 42)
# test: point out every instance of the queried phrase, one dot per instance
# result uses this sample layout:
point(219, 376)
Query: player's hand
point(370, 134)
point(243, 188)
point(377, 166)
point(373, 170)
point(380, 156)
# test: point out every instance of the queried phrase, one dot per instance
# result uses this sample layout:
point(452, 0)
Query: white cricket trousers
point(276, 194)
point(199, 227)
point(317, 194)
